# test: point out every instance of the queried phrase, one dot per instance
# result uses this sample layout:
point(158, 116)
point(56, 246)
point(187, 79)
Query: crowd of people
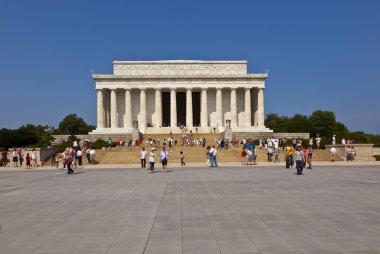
point(18, 158)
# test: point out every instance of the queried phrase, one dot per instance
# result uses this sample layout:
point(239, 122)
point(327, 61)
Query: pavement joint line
point(155, 217)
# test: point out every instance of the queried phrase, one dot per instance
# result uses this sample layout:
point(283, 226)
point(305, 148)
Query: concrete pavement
point(232, 209)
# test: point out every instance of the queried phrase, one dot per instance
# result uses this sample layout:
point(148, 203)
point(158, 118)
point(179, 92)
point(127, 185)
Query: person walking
point(213, 153)
point(143, 157)
point(152, 158)
point(276, 154)
point(164, 160)
point(270, 153)
point(182, 155)
point(299, 160)
point(289, 156)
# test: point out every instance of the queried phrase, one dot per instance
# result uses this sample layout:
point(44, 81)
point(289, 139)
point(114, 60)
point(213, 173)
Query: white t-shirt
point(92, 151)
point(143, 154)
point(33, 155)
point(333, 150)
point(79, 153)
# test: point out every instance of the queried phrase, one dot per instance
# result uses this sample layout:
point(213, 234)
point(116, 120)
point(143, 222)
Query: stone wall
point(43, 154)
point(376, 151)
point(364, 152)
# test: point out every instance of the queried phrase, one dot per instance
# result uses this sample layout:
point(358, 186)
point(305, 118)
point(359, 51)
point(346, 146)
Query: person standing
point(243, 155)
point(14, 158)
point(79, 156)
point(143, 157)
point(289, 156)
point(213, 153)
point(68, 164)
point(152, 158)
point(5, 158)
point(208, 157)
point(27, 160)
point(299, 160)
point(270, 153)
point(20, 159)
point(309, 156)
point(34, 158)
point(182, 155)
point(333, 140)
point(92, 155)
point(164, 159)
point(318, 140)
point(333, 152)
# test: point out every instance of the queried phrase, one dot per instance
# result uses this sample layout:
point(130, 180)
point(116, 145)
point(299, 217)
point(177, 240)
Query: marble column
point(233, 108)
point(247, 107)
point(189, 107)
point(113, 109)
point(158, 107)
point(100, 115)
point(219, 108)
point(173, 108)
point(254, 108)
point(142, 121)
point(260, 107)
point(128, 110)
point(204, 118)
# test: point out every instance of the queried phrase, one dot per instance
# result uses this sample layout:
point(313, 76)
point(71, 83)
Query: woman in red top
point(243, 154)
point(27, 159)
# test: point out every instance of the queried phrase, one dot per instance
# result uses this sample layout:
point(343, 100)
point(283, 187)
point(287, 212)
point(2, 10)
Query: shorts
point(15, 159)
point(164, 162)
point(28, 163)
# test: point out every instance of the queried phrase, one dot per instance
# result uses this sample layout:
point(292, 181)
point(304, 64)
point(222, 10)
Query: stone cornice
point(187, 77)
point(180, 62)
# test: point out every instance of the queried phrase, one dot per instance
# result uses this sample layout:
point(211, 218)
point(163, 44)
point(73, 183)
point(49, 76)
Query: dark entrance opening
point(166, 109)
point(181, 108)
point(196, 109)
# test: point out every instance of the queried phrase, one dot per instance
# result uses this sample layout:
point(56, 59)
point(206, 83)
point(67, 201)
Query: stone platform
point(330, 209)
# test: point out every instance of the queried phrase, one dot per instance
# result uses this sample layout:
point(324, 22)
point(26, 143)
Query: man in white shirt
point(79, 156)
point(333, 152)
point(143, 157)
point(92, 155)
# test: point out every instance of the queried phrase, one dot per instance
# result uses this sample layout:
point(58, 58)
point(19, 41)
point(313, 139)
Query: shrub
point(99, 143)
point(377, 157)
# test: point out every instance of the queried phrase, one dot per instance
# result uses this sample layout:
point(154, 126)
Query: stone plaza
point(330, 209)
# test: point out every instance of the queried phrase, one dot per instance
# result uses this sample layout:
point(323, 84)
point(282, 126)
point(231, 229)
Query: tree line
point(322, 122)
point(30, 135)
point(319, 122)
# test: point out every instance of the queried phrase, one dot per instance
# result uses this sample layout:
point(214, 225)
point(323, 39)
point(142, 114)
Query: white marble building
point(162, 95)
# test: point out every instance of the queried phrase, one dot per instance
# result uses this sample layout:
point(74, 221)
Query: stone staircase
point(196, 154)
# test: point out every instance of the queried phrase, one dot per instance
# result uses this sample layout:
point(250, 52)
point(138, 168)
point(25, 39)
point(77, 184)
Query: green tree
point(324, 123)
point(277, 123)
point(74, 125)
point(300, 123)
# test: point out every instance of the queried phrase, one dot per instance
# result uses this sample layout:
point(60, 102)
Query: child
point(27, 159)
point(182, 159)
point(68, 163)
point(56, 159)
point(60, 163)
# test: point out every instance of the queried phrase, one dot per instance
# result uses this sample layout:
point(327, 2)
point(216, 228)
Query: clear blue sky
point(320, 54)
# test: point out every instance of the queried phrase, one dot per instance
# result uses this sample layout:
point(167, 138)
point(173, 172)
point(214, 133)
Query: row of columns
point(259, 108)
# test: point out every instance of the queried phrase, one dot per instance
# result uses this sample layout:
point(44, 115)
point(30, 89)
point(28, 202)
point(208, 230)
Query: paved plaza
point(330, 209)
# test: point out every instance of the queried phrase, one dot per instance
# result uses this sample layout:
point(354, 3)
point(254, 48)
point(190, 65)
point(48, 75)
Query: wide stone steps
point(196, 154)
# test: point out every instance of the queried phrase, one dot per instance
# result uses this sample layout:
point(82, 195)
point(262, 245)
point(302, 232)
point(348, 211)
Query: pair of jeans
point(151, 166)
point(299, 166)
point(143, 163)
point(214, 163)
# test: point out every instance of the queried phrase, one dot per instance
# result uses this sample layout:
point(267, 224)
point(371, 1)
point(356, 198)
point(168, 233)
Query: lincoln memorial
point(161, 96)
